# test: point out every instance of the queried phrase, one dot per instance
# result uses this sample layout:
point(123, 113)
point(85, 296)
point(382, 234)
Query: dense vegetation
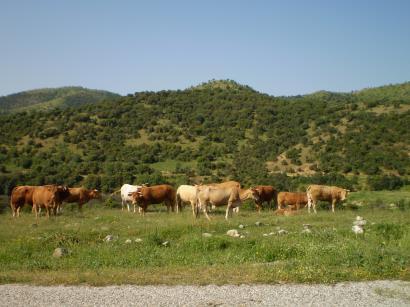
point(52, 97)
point(217, 130)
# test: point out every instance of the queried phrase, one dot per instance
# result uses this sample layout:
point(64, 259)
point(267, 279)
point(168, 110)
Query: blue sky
point(276, 47)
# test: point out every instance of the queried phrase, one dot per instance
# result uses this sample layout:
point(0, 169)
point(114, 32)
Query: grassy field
point(329, 254)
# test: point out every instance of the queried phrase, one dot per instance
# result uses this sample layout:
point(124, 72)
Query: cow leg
point(80, 206)
point(122, 205)
point(135, 207)
point(128, 206)
point(205, 209)
point(333, 205)
point(228, 211)
point(18, 211)
point(314, 207)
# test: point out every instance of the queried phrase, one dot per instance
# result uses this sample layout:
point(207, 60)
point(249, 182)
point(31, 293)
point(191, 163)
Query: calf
point(266, 193)
point(292, 199)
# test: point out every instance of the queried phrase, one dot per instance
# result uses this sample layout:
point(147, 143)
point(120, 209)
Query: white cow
point(126, 190)
point(188, 194)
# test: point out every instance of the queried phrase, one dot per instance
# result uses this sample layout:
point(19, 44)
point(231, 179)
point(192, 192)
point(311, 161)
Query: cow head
point(255, 193)
point(95, 194)
point(135, 196)
point(343, 194)
point(62, 191)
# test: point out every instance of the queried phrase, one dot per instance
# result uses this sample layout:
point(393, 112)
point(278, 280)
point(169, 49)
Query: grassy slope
point(52, 97)
point(331, 253)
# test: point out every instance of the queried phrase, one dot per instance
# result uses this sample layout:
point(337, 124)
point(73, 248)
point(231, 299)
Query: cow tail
point(309, 196)
point(115, 192)
point(13, 209)
point(177, 201)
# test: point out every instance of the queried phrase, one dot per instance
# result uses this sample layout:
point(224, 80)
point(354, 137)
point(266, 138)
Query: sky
point(276, 47)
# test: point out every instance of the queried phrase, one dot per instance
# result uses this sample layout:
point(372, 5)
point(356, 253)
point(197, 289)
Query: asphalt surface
point(377, 293)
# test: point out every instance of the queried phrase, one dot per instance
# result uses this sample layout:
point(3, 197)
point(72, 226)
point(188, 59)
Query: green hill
point(52, 97)
point(215, 131)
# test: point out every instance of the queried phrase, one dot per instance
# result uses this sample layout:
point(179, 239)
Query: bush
point(378, 183)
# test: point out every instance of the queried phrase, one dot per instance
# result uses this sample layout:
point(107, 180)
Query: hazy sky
point(277, 47)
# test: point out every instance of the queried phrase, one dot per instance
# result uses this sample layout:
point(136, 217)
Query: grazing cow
point(217, 196)
point(21, 195)
point(155, 194)
point(81, 196)
point(266, 193)
point(187, 194)
point(49, 197)
point(330, 194)
point(126, 191)
point(292, 199)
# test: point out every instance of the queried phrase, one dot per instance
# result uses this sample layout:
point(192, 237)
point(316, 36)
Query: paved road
point(378, 293)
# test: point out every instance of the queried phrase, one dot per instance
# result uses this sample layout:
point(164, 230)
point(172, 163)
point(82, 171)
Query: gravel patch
point(377, 293)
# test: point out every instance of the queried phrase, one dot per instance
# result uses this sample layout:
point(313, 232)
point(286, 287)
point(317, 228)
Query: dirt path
point(378, 293)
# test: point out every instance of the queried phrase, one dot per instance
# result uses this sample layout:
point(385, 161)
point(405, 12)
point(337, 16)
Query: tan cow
point(330, 194)
point(292, 199)
point(21, 195)
point(81, 196)
point(232, 197)
point(186, 194)
point(155, 194)
point(49, 197)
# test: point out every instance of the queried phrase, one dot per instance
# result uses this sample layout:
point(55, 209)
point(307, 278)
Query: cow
point(292, 199)
point(81, 196)
point(187, 194)
point(126, 191)
point(232, 197)
point(21, 195)
point(49, 197)
point(266, 193)
point(330, 194)
point(225, 184)
point(155, 194)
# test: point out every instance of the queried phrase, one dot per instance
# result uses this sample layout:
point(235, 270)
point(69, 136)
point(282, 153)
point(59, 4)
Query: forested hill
point(47, 98)
point(214, 131)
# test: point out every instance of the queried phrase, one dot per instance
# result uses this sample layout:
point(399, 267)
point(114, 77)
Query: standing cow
point(266, 193)
point(21, 195)
point(188, 194)
point(330, 194)
point(232, 197)
point(155, 194)
point(81, 196)
point(49, 197)
point(126, 191)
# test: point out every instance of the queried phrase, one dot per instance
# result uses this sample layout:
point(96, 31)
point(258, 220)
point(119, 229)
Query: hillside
point(215, 131)
point(52, 97)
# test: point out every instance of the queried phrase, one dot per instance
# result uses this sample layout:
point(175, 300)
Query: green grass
point(331, 253)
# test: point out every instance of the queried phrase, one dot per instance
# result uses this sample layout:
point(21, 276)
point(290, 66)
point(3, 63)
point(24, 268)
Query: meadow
point(329, 254)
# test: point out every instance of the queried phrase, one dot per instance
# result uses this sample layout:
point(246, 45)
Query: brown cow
point(292, 199)
point(155, 194)
point(81, 196)
point(21, 195)
point(266, 193)
point(49, 197)
point(330, 194)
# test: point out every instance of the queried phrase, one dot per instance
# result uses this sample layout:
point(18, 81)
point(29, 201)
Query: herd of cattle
point(201, 197)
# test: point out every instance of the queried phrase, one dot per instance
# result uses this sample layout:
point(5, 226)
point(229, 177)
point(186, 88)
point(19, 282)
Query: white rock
point(166, 243)
point(360, 222)
point(241, 226)
point(241, 236)
point(271, 233)
point(258, 223)
point(207, 235)
point(110, 238)
point(358, 230)
point(359, 218)
point(307, 230)
point(282, 232)
point(138, 240)
point(265, 235)
point(128, 241)
point(60, 252)
point(307, 226)
point(233, 233)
